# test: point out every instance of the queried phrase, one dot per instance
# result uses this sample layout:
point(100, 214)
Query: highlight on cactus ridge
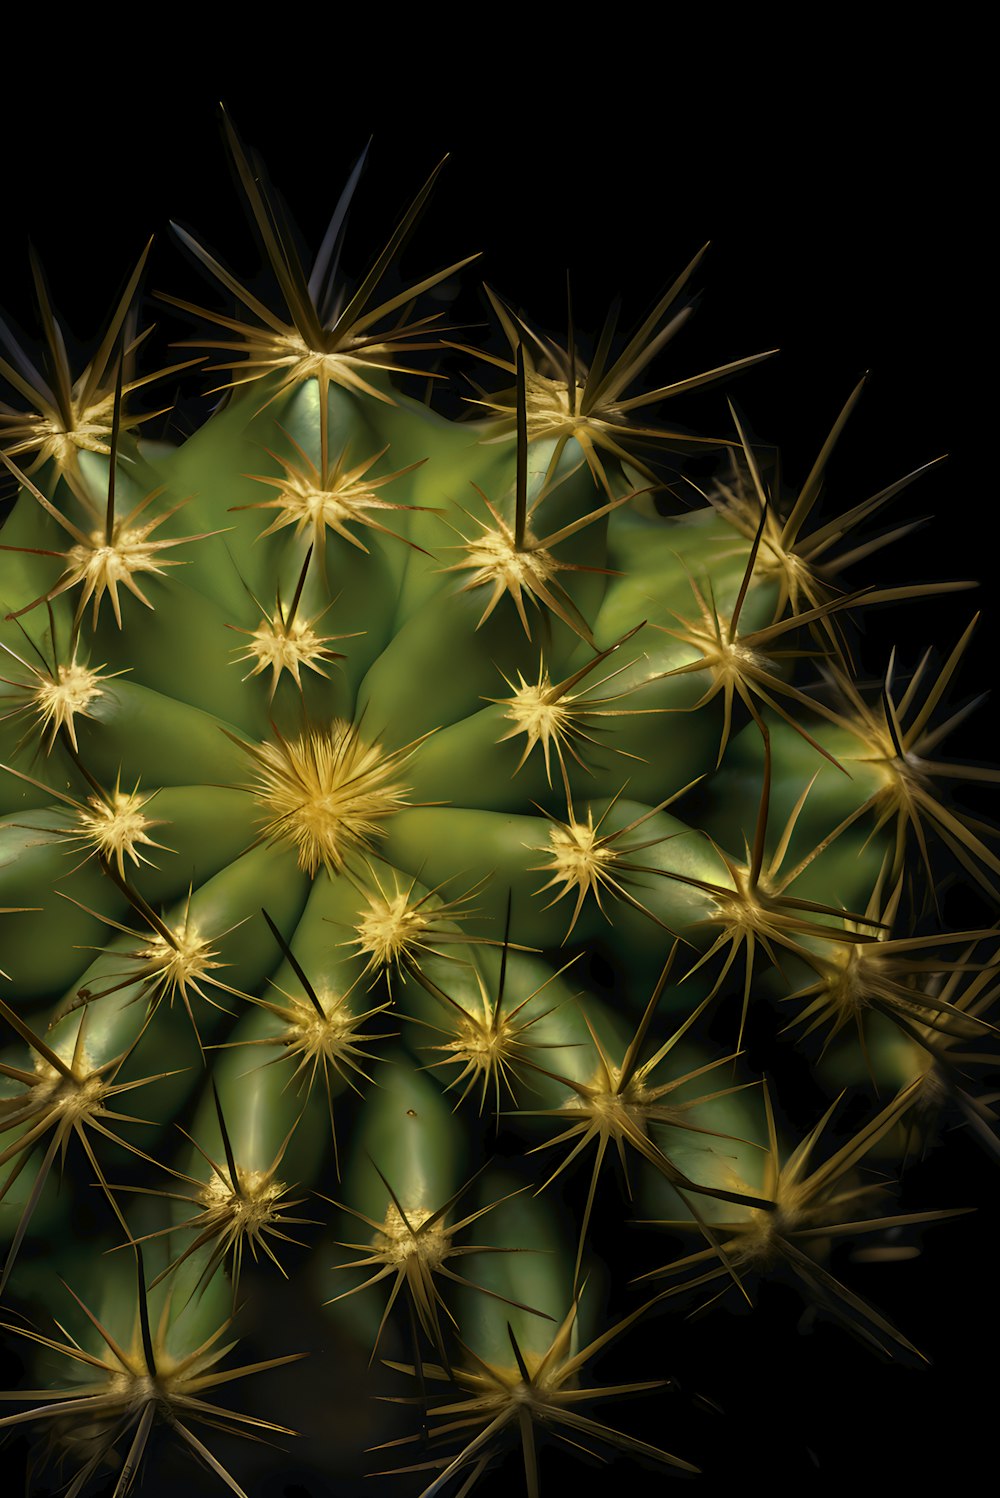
point(414, 831)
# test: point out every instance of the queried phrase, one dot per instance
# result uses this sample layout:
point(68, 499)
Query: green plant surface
point(414, 830)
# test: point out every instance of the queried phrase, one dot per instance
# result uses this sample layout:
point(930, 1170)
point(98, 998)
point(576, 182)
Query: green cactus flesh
point(404, 821)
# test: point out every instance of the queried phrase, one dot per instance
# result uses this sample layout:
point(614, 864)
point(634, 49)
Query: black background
point(842, 184)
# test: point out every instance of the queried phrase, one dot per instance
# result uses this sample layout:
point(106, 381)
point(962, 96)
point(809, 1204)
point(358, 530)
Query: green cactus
point(406, 822)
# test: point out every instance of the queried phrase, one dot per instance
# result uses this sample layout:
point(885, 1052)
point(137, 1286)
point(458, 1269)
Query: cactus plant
point(407, 823)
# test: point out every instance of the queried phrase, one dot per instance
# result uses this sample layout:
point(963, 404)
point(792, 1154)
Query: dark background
point(846, 204)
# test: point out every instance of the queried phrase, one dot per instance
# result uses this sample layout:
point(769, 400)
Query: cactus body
point(414, 818)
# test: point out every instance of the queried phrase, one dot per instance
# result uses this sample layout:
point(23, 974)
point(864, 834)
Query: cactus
point(414, 829)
